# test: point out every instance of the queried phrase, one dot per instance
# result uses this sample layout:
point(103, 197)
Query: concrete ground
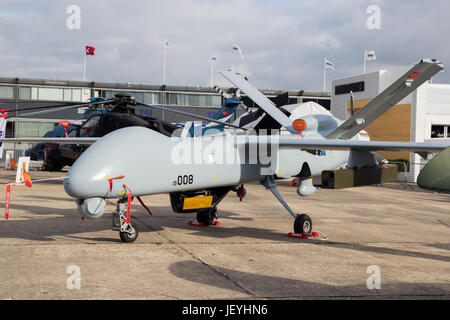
point(404, 233)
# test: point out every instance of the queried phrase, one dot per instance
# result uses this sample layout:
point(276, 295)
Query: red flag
point(4, 113)
point(90, 51)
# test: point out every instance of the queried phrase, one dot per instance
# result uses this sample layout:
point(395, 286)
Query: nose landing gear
point(128, 231)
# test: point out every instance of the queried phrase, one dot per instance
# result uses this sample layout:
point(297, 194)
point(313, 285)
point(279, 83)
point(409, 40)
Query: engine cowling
point(92, 208)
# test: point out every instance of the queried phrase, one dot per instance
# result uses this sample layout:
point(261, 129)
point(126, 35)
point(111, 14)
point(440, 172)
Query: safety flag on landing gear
point(3, 116)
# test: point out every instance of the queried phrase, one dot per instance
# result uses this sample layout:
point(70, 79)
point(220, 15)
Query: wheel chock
point(303, 235)
point(201, 224)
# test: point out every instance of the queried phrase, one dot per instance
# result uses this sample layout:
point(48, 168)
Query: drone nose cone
point(83, 182)
point(88, 176)
point(114, 160)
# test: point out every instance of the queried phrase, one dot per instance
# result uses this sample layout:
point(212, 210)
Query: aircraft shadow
point(272, 287)
point(69, 224)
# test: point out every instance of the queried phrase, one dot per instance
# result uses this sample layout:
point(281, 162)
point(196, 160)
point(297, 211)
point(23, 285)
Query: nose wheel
point(128, 231)
point(130, 234)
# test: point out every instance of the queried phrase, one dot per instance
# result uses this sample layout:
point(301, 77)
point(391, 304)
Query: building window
point(204, 100)
point(34, 93)
point(24, 93)
point(440, 131)
point(67, 95)
point(85, 95)
point(107, 94)
point(349, 87)
point(33, 128)
point(139, 96)
point(216, 101)
point(6, 92)
point(76, 95)
point(148, 98)
point(172, 98)
point(156, 98)
point(151, 98)
point(194, 100)
point(51, 94)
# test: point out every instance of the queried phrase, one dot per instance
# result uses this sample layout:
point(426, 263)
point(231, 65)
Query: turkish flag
point(4, 113)
point(90, 51)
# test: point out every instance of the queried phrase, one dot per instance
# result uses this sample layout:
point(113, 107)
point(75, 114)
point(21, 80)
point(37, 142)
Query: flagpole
point(164, 64)
point(84, 64)
point(324, 73)
point(232, 60)
point(212, 72)
point(364, 61)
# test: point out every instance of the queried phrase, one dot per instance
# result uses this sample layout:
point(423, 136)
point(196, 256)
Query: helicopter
point(101, 118)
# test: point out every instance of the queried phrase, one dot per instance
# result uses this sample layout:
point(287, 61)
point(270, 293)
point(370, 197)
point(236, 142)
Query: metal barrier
point(405, 183)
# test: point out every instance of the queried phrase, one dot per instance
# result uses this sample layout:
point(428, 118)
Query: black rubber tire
point(303, 224)
point(207, 216)
point(126, 237)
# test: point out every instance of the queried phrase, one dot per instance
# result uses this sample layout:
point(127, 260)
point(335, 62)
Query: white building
point(423, 116)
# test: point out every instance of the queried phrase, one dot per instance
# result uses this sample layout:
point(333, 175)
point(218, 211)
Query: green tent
point(436, 173)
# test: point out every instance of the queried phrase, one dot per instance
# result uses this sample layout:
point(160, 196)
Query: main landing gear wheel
point(303, 224)
point(207, 216)
point(130, 235)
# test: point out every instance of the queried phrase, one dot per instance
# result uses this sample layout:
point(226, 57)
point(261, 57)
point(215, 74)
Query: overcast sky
point(284, 42)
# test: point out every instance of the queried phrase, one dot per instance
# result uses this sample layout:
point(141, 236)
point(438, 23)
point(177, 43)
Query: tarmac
point(384, 242)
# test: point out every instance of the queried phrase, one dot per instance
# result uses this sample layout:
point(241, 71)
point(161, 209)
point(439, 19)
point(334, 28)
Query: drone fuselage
point(148, 162)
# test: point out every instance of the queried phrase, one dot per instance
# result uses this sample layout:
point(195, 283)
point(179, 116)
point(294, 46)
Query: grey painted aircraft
point(198, 171)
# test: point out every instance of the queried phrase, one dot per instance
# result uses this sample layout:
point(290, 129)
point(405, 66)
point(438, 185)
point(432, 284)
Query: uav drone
point(198, 171)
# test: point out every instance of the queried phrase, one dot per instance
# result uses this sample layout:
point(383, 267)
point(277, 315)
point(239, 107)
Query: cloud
point(284, 42)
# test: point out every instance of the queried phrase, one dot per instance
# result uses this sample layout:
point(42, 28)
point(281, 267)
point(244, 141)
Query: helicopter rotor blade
point(190, 114)
point(60, 107)
point(37, 108)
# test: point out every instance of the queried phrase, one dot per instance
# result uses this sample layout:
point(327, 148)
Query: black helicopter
point(104, 117)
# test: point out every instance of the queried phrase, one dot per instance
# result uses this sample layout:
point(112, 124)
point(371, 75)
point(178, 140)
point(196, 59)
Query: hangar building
point(21, 93)
point(423, 116)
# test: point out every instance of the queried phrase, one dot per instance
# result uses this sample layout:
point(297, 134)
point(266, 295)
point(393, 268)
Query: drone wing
point(340, 144)
point(401, 88)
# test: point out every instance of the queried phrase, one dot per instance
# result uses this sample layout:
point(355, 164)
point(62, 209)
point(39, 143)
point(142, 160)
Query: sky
point(284, 42)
